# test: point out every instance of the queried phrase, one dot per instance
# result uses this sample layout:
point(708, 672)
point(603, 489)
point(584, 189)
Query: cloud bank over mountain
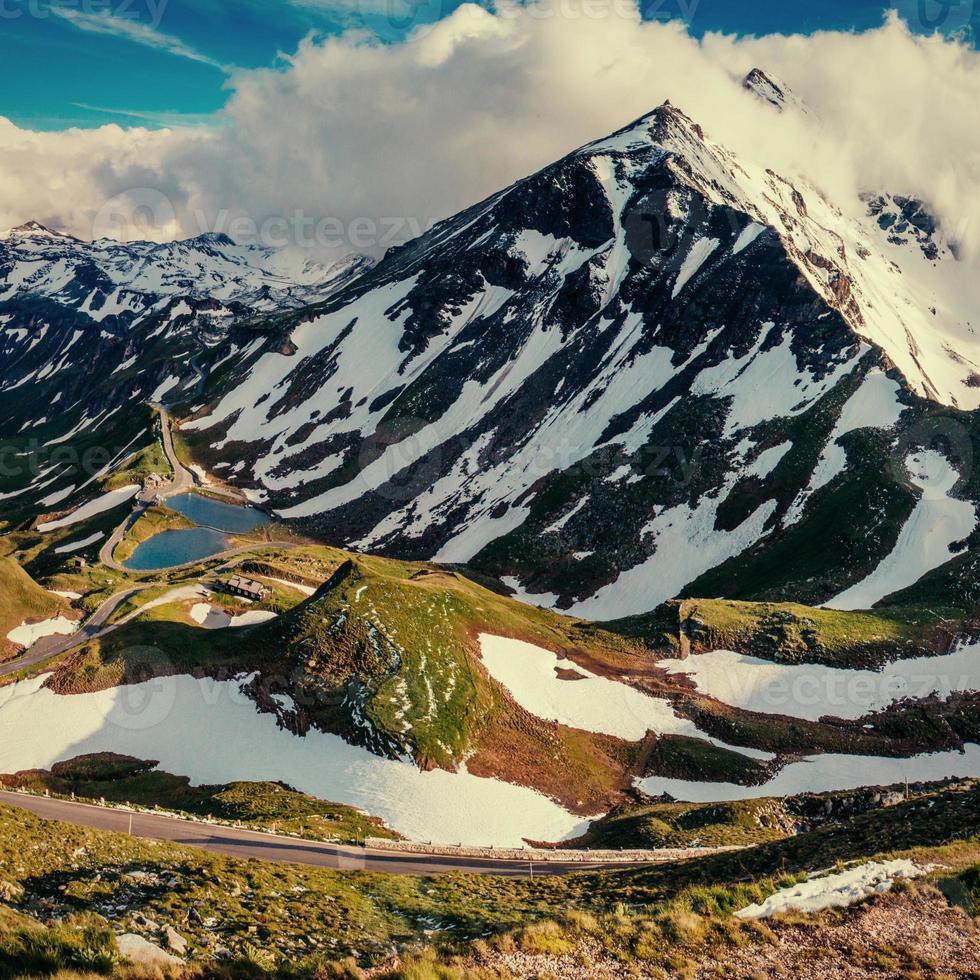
point(355, 143)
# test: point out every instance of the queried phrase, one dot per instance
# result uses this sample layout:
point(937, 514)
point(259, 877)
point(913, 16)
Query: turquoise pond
point(215, 521)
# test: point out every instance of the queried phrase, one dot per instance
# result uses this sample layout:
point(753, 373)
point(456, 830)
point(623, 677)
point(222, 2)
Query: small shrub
point(583, 922)
point(545, 937)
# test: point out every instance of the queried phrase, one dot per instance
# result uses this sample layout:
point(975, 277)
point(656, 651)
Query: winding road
point(260, 846)
point(182, 482)
point(51, 646)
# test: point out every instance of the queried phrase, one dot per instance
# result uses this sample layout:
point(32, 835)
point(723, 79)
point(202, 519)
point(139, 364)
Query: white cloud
point(351, 129)
point(105, 22)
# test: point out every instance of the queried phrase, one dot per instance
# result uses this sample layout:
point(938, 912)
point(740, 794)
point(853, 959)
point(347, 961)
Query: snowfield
point(307, 590)
point(687, 545)
point(834, 891)
point(591, 703)
point(215, 618)
point(97, 506)
point(812, 691)
point(210, 731)
point(937, 522)
point(165, 386)
point(78, 545)
point(822, 773)
point(594, 704)
point(29, 633)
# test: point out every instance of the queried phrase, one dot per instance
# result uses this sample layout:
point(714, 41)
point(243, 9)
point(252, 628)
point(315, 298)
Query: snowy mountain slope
point(773, 91)
point(921, 308)
point(89, 331)
point(611, 379)
point(421, 667)
point(106, 278)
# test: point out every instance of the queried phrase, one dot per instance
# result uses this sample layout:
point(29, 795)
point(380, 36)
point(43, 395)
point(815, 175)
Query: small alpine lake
point(215, 520)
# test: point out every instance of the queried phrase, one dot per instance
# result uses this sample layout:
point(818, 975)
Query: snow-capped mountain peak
point(93, 326)
point(31, 228)
point(771, 90)
point(34, 229)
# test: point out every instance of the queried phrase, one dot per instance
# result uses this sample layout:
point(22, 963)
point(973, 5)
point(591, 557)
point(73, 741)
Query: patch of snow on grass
point(215, 618)
point(812, 691)
point(823, 773)
point(28, 633)
point(200, 473)
point(937, 521)
point(180, 594)
point(591, 703)
point(125, 365)
point(78, 545)
point(544, 599)
point(208, 616)
point(298, 586)
point(166, 385)
point(252, 617)
point(211, 732)
point(55, 498)
point(98, 506)
point(834, 891)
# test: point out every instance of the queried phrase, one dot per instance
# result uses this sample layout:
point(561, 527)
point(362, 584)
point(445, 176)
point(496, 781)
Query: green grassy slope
point(385, 654)
point(21, 598)
point(788, 632)
point(135, 469)
point(266, 920)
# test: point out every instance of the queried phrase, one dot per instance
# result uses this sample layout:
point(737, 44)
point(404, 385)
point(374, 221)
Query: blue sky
point(157, 62)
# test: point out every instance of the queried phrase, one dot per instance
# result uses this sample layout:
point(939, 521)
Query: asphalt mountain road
point(51, 646)
point(238, 843)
